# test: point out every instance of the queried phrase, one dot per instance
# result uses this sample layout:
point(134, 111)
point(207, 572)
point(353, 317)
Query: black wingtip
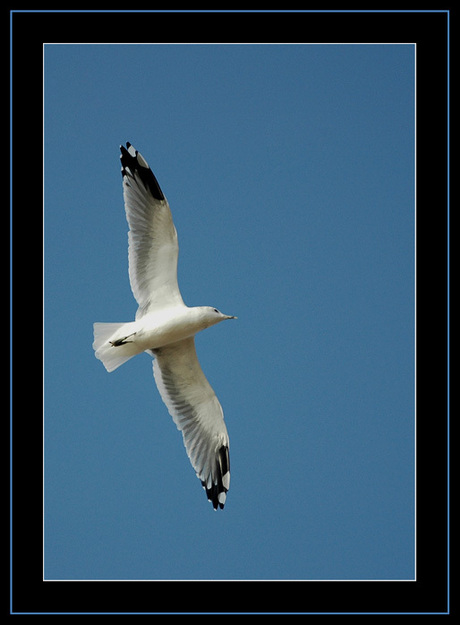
point(217, 492)
point(213, 495)
point(133, 164)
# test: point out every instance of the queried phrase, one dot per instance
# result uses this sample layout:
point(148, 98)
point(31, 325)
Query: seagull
point(165, 328)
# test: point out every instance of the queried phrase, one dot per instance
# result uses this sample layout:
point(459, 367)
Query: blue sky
point(290, 174)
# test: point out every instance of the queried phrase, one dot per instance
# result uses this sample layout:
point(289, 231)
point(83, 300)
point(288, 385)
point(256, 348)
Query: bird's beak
point(230, 317)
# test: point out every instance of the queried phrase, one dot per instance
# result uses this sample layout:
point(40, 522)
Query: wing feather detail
point(197, 413)
point(153, 247)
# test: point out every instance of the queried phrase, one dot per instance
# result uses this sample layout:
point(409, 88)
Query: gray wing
point(153, 248)
point(198, 415)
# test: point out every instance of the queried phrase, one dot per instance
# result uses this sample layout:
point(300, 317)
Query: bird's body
point(165, 328)
point(154, 330)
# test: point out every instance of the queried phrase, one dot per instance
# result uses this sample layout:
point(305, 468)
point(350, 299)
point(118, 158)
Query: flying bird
point(165, 328)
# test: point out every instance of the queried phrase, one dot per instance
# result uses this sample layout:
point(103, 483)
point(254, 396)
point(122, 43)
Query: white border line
point(415, 311)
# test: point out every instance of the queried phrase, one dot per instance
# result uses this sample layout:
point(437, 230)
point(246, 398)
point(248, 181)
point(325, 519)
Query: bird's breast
point(161, 328)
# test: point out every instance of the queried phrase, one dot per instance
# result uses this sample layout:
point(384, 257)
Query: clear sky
point(289, 170)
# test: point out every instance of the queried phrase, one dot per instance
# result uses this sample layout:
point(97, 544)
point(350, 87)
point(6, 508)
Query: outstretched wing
point(197, 413)
point(153, 247)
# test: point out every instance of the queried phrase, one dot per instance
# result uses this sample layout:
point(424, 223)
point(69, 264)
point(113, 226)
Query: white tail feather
point(112, 356)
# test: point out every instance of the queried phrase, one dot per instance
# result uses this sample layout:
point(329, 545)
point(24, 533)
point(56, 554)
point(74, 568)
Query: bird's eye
point(215, 310)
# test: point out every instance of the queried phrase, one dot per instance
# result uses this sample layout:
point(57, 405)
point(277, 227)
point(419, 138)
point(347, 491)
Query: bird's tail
point(112, 345)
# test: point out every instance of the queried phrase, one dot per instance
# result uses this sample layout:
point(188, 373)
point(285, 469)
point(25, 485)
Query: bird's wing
point(197, 413)
point(153, 247)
